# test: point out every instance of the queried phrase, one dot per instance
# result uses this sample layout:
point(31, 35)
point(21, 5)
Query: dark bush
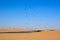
point(37, 30)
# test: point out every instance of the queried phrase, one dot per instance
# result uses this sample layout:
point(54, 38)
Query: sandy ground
point(44, 35)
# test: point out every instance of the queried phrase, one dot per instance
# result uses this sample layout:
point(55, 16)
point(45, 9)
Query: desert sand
point(44, 35)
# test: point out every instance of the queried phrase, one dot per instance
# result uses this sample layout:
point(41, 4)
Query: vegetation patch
point(37, 30)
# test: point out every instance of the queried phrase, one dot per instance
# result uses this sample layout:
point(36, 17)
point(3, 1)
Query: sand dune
point(44, 35)
point(10, 30)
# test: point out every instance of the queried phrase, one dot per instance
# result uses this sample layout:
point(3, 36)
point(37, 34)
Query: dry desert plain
point(43, 35)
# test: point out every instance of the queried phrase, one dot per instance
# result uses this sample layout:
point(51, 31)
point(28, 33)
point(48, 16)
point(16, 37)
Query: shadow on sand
point(22, 32)
point(13, 32)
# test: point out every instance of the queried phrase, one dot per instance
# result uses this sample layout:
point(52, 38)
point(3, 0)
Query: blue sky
point(30, 14)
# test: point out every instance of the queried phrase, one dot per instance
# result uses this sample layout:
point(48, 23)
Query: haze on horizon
point(30, 14)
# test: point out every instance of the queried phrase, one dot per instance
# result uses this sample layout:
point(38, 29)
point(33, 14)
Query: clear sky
point(30, 14)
